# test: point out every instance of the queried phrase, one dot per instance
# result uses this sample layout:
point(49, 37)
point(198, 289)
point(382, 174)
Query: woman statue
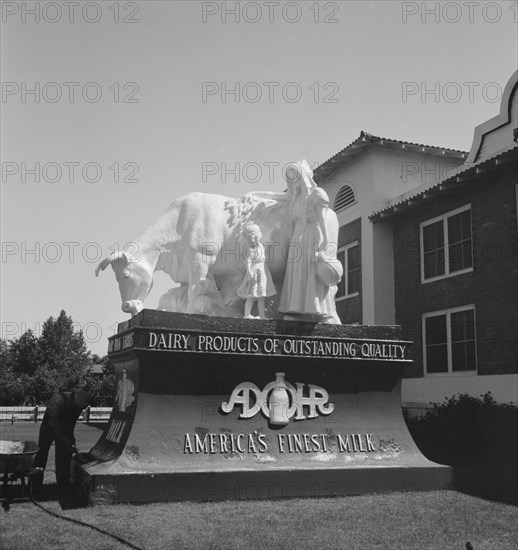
point(312, 270)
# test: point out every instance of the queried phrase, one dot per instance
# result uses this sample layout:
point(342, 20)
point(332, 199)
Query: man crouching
point(57, 426)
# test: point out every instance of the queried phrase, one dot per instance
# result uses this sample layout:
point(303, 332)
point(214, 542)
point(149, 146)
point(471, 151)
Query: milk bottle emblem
point(279, 403)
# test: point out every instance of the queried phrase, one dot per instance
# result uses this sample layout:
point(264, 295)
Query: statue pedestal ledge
point(212, 408)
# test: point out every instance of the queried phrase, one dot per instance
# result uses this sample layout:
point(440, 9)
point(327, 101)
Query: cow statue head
point(135, 279)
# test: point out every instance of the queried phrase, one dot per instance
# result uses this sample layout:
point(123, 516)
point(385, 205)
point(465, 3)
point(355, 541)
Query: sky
point(111, 110)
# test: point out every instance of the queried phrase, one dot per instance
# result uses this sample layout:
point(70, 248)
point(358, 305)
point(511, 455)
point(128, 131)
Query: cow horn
point(115, 256)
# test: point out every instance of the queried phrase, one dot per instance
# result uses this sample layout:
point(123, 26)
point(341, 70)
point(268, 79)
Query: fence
point(416, 410)
point(35, 414)
point(102, 414)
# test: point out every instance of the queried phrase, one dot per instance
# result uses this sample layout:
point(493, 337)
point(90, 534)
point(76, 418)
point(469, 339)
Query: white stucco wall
point(378, 175)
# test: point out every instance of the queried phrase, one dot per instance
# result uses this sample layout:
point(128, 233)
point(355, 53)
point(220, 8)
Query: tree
point(11, 387)
point(5, 356)
point(32, 369)
point(25, 354)
point(35, 368)
point(101, 387)
point(63, 353)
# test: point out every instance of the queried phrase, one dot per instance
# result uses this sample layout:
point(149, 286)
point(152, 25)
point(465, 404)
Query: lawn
point(434, 520)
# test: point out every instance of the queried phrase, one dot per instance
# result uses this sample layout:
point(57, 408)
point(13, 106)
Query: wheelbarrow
point(16, 458)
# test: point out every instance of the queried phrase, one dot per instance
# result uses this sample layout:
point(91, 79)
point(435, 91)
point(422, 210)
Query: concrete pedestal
point(199, 414)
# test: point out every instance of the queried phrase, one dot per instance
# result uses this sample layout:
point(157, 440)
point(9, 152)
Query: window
point(344, 198)
point(349, 257)
point(446, 245)
point(449, 344)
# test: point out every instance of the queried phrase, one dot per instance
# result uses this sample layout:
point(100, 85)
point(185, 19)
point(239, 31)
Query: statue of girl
point(257, 283)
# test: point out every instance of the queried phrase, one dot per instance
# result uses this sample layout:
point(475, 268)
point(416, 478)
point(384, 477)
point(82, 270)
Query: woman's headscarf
point(304, 177)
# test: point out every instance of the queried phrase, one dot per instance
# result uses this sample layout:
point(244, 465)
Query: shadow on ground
point(69, 497)
point(497, 482)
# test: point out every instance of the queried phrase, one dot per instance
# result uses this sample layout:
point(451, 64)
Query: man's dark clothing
point(58, 425)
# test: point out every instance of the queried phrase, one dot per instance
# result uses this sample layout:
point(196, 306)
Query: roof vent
point(344, 198)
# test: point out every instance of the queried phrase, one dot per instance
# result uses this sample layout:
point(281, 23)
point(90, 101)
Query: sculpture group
point(275, 249)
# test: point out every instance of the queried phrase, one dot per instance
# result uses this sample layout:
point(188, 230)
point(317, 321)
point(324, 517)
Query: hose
point(79, 522)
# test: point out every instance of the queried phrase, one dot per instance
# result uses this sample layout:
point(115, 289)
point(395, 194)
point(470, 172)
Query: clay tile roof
point(365, 139)
point(465, 174)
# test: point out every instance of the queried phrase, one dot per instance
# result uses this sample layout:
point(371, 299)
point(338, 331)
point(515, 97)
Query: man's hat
point(82, 398)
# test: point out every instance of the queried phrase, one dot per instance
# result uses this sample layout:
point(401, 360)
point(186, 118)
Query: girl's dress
point(258, 282)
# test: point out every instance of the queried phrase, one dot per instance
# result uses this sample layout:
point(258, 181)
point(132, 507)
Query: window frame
point(448, 312)
point(444, 219)
point(344, 249)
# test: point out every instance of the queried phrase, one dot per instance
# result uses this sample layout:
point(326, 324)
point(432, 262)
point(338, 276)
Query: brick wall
point(350, 309)
point(492, 286)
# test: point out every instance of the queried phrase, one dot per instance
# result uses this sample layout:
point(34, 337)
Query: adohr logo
point(279, 401)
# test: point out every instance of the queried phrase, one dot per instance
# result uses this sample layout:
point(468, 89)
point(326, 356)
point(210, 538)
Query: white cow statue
point(198, 242)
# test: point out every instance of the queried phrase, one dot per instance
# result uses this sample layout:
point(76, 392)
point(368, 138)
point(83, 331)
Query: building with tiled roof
point(364, 177)
point(429, 241)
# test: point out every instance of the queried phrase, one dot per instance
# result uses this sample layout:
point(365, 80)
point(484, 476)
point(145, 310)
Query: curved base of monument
point(214, 408)
point(256, 485)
